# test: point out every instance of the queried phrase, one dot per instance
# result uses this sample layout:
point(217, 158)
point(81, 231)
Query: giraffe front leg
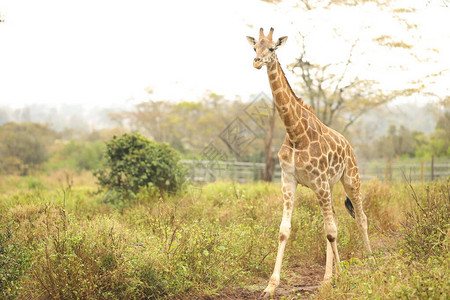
point(328, 264)
point(289, 186)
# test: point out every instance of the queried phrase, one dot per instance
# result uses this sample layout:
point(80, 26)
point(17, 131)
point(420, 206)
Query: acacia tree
point(337, 95)
point(337, 101)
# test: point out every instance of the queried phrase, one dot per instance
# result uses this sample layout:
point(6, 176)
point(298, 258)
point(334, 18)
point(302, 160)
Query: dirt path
point(298, 281)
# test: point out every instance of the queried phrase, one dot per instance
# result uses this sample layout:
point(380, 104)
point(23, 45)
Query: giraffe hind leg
point(330, 227)
point(352, 189)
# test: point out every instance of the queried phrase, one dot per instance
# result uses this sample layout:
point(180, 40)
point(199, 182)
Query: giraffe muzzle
point(258, 63)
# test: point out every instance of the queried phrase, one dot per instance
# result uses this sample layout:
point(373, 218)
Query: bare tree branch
point(336, 104)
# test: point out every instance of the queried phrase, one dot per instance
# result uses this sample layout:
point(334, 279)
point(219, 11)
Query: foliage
point(78, 155)
point(427, 223)
point(14, 261)
point(440, 143)
point(133, 162)
point(24, 146)
point(401, 142)
point(390, 276)
point(149, 250)
point(189, 126)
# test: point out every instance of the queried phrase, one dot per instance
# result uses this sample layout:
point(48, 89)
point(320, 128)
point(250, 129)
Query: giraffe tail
point(349, 207)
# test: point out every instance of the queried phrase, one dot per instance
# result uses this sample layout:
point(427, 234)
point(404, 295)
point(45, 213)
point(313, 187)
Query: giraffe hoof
point(265, 295)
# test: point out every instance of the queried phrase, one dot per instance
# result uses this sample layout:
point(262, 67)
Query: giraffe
point(312, 155)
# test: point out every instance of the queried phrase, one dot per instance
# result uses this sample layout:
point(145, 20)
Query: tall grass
point(416, 263)
point(61, 241)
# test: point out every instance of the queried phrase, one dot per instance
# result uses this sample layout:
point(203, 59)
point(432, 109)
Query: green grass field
point(59, 239)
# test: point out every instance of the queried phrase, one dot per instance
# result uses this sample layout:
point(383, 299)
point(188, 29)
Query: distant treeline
point(189, 127)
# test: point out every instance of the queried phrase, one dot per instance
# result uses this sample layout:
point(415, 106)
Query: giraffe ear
point(251, 41)
point(281, 41)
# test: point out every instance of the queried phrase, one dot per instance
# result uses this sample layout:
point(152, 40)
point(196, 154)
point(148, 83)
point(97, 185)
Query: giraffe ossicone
point(312, 155)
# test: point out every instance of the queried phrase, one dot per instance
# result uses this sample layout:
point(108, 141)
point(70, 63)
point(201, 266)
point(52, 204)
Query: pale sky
point(104, 53)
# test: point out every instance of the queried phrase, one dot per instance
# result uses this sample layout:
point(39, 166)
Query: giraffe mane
point(300, 100)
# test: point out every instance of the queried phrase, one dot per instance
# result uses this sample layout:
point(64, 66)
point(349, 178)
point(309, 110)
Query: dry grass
point(210, 239)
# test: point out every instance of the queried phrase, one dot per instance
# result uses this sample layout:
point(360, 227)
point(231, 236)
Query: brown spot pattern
point(314, 150)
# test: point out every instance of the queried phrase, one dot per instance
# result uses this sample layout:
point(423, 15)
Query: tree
point(79, 155)
point(337, 100)
point(262, 111)
point(187, 126)
point(269, 159)
point(335, 85)
point(440, 141)
point(397, 142)
point(24, 146)
point(133, 162)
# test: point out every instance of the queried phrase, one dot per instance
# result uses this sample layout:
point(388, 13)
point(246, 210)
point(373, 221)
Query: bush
point(133, 162)
point(80, 260)
point(427, 223)
point(14, 260)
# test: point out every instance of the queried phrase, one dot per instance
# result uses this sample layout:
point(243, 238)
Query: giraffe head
point(265, 48)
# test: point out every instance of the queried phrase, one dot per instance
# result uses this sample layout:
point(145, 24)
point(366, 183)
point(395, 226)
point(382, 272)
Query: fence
point(208, 171)
point(387, 170)
point(411, 170)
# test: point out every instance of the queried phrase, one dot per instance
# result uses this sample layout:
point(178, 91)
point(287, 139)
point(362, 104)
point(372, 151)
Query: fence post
point(390, 171)
point(421, 171)
point(386, 171)
point(432, 167)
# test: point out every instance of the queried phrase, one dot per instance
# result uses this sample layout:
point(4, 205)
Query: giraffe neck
point(295, 115)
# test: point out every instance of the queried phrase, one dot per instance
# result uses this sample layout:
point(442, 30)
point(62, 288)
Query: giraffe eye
point(254, 49)
point(271, 49)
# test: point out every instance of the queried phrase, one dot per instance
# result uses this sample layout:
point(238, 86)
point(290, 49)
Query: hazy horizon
point(108, 53)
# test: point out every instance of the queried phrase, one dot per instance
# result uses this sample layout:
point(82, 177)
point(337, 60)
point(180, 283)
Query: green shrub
point(133, 162)
point(80, 260)
point(427, 225)
point(14, 260)
point(34, 183)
